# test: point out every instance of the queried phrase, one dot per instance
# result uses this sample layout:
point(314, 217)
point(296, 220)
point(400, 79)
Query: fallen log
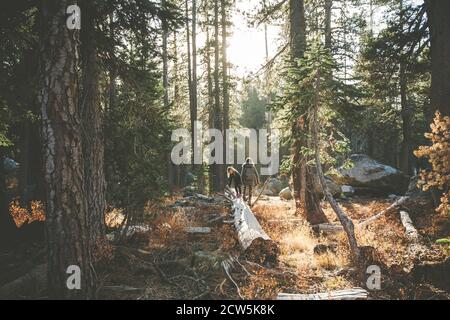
point(198, 229)
point(400, 201)
point(410, 230)
point(254, 241)
point(347, 294)
point(335, 228)
point(327, 228)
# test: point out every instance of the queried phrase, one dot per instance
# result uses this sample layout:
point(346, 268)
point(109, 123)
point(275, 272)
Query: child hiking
point(235, 177)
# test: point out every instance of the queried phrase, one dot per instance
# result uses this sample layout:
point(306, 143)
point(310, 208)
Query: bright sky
point(246, 46)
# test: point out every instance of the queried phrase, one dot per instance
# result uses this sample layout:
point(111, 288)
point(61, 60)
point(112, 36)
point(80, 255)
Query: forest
point(225, 150)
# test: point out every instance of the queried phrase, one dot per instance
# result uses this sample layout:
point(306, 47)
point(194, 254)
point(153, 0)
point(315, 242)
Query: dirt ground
point(163, 261)
point(189, 266)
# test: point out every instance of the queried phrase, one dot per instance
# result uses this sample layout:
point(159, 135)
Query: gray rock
point(333, 187)
point(274, 185)
point(266, 192)
point(368, 174)
point(347, 190)
point(286, 194)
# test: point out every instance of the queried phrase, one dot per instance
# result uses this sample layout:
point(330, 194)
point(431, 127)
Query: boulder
point(369, 175)
point(347, 190)
point(333, 187)
point(286, 194)
point(274, 185)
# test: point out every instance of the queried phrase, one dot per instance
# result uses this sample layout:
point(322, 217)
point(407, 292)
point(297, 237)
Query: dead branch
point(348, 294)
point(400, 201)
point(226, 268)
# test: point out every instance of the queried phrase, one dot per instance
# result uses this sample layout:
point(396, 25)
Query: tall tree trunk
point(92, 130)
point(225, 93)
point(438, 12)
point(192, 110)
point(306, 201)
point(176, 100)
point(218, 181)
point(211, 109)
point(406, 113)
point(266, 42)
point(65, 206)
point(165, 60)
point(198, 167)
point(328, 34)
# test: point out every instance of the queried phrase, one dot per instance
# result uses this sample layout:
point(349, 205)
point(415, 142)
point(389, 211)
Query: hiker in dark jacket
point(235, 177)
point(250, 178)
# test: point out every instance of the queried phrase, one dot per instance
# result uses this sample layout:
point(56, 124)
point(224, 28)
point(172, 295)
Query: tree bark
point(165, 75)
point(438, 12)
point(306, 201)
point(328, 34)
point(406, 113)
point(219, 182)
point(67, 216)
point(92, 130)
point(211, 106)
point(225, 81)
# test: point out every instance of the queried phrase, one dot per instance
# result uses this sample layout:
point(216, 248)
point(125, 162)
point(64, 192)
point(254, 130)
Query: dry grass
point(337, 283)
point(330, 261)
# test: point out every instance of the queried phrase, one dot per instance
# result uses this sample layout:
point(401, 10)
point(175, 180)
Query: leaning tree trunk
point(438, 12)
point(93, 147)
point(306, 201)
point(66, 207)
point(346, 222)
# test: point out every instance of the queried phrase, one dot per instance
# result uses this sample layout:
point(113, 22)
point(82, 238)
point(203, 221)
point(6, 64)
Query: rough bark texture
point(92, 131)
point(219, 181)
point(328, 4)
point(406, 113)
point(225, 93)
point(66, 206)
point(438, 12)
point(307, 203)
point(211, 109)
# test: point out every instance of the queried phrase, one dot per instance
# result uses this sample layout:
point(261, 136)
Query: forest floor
point(181, 265)
point(161, 260)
